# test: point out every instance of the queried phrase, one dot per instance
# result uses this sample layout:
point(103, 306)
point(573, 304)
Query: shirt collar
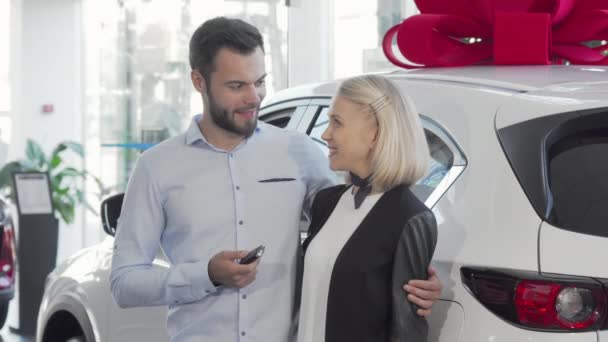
point(194, 134)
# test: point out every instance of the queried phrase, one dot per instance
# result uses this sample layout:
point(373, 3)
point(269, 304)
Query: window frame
point(526, 145)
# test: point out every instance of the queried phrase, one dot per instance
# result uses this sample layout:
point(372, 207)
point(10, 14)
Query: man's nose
point(252, 95)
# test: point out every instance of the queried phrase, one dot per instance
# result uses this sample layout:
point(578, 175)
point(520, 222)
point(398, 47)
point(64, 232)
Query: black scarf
point(364, 188)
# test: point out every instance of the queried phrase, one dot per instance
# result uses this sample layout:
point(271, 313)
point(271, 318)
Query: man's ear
point(198, 81)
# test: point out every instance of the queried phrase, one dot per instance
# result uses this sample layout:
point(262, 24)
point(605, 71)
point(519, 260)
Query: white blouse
point(319, 262)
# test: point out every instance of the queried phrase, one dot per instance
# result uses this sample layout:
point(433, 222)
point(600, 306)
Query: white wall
point(47, 69)
point(15, 78)
point(310, 36)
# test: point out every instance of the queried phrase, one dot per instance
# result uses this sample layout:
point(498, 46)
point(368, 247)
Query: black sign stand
point(38, 233)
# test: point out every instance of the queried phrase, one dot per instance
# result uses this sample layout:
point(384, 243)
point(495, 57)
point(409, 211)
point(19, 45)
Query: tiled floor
point(6, 335)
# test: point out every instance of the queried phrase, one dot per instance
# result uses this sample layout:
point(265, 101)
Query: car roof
point(517, 79)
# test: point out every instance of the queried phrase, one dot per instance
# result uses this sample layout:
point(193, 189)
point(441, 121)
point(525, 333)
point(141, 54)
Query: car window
point(430, 188)
point(440, 164)
point(319, 127)
point(280, 118)
point(578, 166)
point(561, 162)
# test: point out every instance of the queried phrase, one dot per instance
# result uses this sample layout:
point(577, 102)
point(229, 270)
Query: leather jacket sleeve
point(412, 258)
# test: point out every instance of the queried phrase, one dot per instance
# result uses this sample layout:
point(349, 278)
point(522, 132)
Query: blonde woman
point(371, 235)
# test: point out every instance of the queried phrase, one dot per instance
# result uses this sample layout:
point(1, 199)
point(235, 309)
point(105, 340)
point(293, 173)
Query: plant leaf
point(55, 161)
point(62, 191)
point(66, 212)
point(65, 207)
point(59, 148)
point(79, 196)
point(70, 172)
point(6, 176)
point(35, 154)
point(56, 181)
point(71, 145)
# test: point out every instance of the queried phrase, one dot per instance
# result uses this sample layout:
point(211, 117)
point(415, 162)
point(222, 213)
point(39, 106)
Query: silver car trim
point(444, 185)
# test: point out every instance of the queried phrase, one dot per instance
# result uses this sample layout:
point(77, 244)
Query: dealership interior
point(87, 86)
point(106, 78)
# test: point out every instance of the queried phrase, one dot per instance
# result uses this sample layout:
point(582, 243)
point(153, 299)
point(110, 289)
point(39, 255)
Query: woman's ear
point(374, 140)
point(375, 129)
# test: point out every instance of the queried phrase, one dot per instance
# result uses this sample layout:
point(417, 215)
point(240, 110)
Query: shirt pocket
point(277, 180)
point(283, 195)
point(277, 188)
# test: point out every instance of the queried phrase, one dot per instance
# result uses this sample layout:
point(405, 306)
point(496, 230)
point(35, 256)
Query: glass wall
point(138, 77)
point(359, 28)
point(138, 88)
point(5, 85)
point(5, 94)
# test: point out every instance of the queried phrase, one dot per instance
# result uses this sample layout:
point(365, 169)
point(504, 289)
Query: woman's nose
point(326, 134)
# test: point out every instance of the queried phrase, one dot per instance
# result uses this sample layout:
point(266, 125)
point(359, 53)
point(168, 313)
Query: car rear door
point(557, 143)
point(558, 148)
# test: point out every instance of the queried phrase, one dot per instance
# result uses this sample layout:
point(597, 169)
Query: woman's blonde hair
point(401, 154)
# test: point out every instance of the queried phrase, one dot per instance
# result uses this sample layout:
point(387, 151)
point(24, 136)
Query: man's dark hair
point(218, 33)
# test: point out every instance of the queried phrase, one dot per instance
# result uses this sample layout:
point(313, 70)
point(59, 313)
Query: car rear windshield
point(561, 161)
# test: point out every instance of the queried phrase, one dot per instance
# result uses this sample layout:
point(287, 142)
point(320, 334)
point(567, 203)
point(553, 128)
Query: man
point(227, 185)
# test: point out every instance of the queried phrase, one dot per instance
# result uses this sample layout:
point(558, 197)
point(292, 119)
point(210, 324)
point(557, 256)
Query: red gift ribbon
point(512, 32)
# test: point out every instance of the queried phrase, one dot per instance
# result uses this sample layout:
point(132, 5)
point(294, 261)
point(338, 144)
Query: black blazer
point(393, 244)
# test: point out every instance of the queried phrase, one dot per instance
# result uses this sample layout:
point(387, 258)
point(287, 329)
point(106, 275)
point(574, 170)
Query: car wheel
point(3, 313)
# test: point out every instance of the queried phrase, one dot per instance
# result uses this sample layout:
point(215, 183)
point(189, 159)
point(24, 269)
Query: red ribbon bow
point(463, 32)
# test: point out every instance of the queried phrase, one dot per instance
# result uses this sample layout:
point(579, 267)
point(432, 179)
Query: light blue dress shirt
point(193, 200)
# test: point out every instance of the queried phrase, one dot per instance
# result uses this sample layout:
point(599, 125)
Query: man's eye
point(260, 82)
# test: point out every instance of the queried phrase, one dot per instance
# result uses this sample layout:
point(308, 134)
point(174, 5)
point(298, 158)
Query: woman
point(370, 236)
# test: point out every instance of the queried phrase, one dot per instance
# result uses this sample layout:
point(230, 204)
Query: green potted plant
point(65, 180)
point(38, 234)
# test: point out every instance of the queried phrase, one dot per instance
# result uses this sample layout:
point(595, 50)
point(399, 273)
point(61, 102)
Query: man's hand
point(223, 270)
point(424, 293)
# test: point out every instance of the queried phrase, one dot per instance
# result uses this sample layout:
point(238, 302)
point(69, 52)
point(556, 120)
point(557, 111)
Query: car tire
point(65, 311)
point(3, 313)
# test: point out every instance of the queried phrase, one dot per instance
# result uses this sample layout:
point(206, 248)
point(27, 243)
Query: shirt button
point(231, 155)
point(242, 333)
point(241, 223)
point(244, 296)
point(238, 187)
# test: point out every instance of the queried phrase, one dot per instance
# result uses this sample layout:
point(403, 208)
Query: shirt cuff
point(199, 274)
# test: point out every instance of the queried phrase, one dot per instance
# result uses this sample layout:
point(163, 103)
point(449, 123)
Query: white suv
point(519, 187)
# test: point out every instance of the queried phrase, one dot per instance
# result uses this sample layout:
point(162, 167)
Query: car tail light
point(7, 257)
point(546, 304)
point(605, 326)
point(534, 301)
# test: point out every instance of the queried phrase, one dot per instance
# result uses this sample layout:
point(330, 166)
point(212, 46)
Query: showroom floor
point(11, 321)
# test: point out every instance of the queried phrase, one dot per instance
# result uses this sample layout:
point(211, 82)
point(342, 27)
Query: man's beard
point(224, 120)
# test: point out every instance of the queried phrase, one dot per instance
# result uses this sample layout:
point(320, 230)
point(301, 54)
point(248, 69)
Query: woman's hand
point(424, 293)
